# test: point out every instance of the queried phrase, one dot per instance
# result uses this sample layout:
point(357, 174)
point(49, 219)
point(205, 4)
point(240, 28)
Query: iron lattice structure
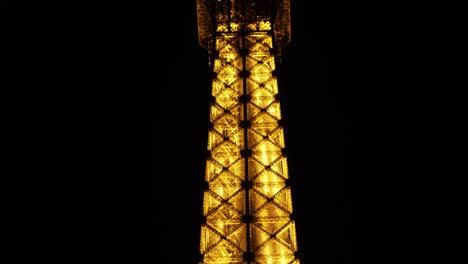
point(247, 204)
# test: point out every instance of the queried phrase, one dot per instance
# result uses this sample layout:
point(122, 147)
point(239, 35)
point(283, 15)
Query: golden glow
point(247, 203)
point(272, 234)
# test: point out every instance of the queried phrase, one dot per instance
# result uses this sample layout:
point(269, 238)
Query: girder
point(247, 203)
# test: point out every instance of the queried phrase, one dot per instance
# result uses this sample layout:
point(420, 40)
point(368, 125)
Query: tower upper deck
point(243, 15)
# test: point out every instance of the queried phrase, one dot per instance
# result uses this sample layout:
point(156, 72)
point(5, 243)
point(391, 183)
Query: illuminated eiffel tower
point(247, 205)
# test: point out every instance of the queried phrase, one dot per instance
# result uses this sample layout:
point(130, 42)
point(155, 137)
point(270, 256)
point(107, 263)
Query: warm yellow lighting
point(247, 204)
point(235, 27)
point(265, 25)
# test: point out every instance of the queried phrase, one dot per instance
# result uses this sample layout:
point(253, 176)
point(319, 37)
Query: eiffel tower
point(247, 206)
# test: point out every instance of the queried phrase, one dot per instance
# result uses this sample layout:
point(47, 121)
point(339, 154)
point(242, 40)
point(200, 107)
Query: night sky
point(317, 112)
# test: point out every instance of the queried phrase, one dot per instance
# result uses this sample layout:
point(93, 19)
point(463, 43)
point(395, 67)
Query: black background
point(316, 93)
point(361, 118)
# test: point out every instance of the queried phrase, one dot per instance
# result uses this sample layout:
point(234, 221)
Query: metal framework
point(247, 205)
